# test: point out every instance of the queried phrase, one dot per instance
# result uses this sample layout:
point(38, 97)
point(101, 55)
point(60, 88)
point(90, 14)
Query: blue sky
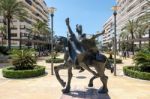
point(91, 14)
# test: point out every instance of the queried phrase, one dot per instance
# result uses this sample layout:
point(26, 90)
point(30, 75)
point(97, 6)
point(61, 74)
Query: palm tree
point(145, 24)
point(124, 36)
point(3, 32)
point(10, 9)
point(125, 45)
point(145, 17)
point(142, 29)
point(40, 29)
point(131, 29)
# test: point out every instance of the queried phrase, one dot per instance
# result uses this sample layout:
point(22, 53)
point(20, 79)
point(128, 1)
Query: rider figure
point(89, 45)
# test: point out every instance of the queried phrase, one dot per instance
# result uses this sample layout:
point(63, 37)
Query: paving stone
point(47, 86)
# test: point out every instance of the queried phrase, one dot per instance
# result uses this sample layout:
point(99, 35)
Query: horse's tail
point(109, 65)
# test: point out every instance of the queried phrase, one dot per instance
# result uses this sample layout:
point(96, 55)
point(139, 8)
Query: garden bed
point(118, 61)
point(131, 72)
point(56, 60)
point(10, 72)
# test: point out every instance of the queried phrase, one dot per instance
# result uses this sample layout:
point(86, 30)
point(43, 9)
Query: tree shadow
point(89, 93)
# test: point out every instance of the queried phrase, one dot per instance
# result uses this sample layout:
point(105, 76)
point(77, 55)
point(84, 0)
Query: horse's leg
point(91, 81)
point(83, 65)
point(100, 68)
point(56, 69)
point(67, 89)
point(104, 89)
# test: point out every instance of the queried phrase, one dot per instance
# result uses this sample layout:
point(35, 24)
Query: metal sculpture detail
point(82, 52)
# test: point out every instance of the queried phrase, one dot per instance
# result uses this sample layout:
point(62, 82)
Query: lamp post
point(115, 8)
point(51, 11)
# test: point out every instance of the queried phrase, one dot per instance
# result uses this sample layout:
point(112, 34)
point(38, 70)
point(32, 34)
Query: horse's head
point(61, 41)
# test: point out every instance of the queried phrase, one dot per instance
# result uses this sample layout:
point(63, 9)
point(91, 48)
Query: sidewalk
point(47, 86)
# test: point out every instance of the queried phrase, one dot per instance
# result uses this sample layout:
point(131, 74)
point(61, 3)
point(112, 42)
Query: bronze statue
point(78, 52)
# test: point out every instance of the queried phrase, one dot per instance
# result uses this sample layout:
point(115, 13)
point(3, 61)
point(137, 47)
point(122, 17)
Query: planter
point(10, 72)
point(131, 72)
point(56, 60)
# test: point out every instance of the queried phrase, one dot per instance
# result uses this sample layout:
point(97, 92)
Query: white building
point(108, 28)
point(37, 10)
point(128, 10)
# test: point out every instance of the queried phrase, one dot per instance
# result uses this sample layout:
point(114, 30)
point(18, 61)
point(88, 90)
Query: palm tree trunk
point(140, 43)
point(127, 48)
point(149, 38)
point(119, 45)
point(28, 43)
point(34, 42)
point(39, 49)
point(132, 43)
point(9, 33)
point(20, 44)
point(2, 41)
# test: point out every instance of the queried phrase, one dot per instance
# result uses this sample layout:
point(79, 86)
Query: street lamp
point(115, 8)
point(51, 11)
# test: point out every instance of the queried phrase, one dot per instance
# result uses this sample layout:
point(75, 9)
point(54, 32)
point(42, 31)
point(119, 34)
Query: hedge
point(129, 71)
point(10, 72)
point(118, 61)
point(56, 60)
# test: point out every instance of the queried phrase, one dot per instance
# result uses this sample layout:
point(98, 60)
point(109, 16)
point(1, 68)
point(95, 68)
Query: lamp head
point(115, 8)
point(51, 10)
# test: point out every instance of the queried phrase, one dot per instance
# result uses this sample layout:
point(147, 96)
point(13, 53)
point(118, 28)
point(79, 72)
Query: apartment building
point(128, 10)
point(37, 10)
point(108, 28)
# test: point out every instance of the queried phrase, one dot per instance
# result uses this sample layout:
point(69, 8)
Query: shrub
point(56, 60)
point(132, 72)
point(4, 50)
point(117, 61)
point(23, 59)
point(142, 60)
point(11, 72)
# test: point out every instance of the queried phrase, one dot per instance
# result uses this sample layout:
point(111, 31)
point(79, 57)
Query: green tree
point(131, 29)
point(144, 19)
point(124, 36)
point(3, 32)
point(11, 9)
point(141, 30)
point(40, 30)
point(23, 59)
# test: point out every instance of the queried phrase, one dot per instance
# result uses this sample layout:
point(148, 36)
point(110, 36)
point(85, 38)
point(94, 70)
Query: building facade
point(108, 28)
point(37, 10)
point(128, 10)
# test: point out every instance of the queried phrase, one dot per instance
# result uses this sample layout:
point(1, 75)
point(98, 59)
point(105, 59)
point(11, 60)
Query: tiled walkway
point(47, 86)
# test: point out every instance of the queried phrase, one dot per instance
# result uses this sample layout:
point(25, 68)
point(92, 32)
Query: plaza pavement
point(47, 86)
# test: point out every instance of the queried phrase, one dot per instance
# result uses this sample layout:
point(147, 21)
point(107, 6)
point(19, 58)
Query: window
point(14, 27)
point(14, 34)
point(22, 26)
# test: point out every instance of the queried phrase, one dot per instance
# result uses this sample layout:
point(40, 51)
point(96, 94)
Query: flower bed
point(10, 72)
point(56, 60)
point(131, 72)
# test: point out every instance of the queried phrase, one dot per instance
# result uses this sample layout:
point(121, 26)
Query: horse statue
point(85, 54)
